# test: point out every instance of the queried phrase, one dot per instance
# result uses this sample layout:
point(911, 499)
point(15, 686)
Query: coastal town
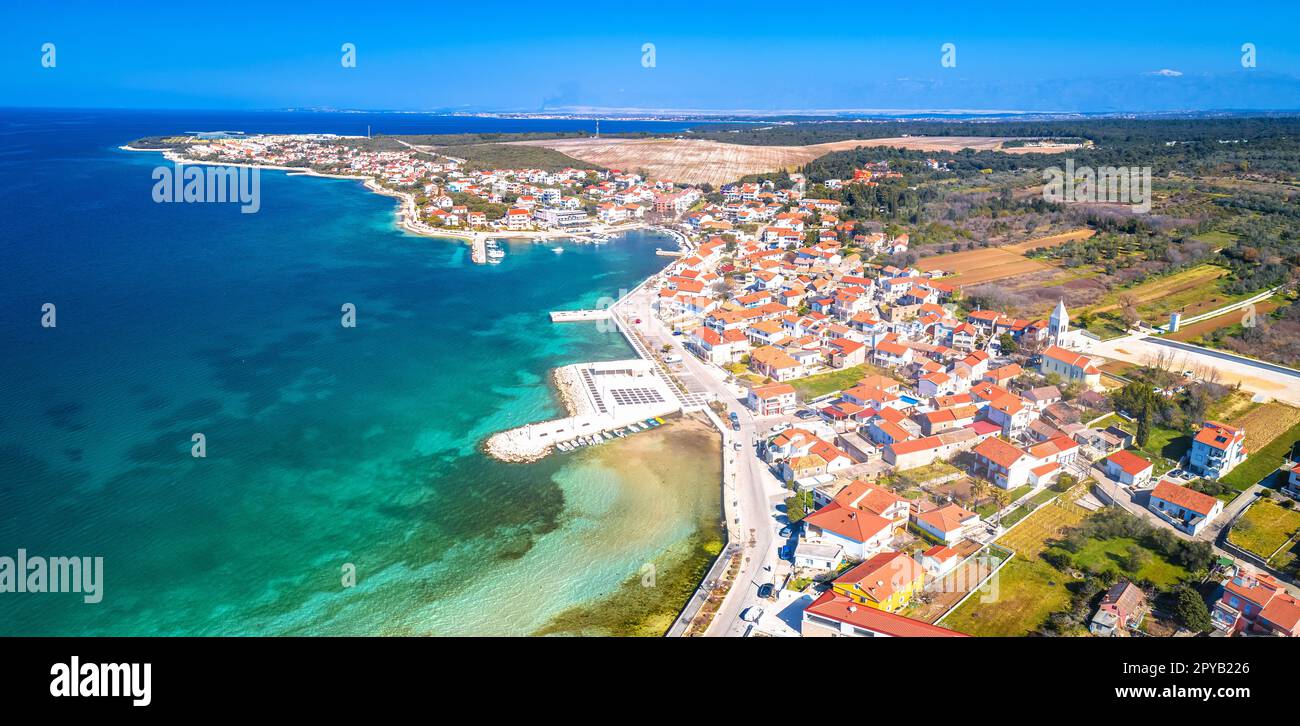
point(900, 459)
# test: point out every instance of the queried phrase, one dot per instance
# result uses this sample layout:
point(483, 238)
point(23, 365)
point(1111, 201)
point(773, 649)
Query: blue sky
point(761, 56)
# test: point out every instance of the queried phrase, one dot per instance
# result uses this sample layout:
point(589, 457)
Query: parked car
point(738, 445)
point(787, 530)
point(778, 428)
point(677, 332)
point(751, 614)
point(765, 590)
point(733, 416)
point(805, 414)
point(735, 425)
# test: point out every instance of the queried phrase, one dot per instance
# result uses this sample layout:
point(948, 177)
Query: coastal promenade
point(750, 491)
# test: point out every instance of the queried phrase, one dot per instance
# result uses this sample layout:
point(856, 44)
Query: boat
point(660, 420)
point(557, 250)
point(562, 446)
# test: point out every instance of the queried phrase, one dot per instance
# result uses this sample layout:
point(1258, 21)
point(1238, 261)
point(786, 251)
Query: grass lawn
point(1027, 592)
point(1216, 239)
point(824, 383)
point(1107, 554)
point(989, 508)
point(1264, 462)
point(1163, 444)
point(1263, 528)
point(1027, 589)
point(922, 474)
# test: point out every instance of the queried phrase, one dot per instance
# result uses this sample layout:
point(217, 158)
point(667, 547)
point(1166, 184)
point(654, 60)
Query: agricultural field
point(1194, 332)
point(984, 265)
point(1263, 529)
point(1265, 422)
point(1218, 239)
point(1186, 291)
point(1261, 463)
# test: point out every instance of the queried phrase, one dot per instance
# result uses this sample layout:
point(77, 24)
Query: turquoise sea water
point(325, 445)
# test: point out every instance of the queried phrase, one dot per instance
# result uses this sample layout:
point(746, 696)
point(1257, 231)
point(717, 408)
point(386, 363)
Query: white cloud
point(1166, 72)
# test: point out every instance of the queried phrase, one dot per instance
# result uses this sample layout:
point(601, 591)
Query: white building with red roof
point(833, 615)
point(948, 524)
point(1128, 468)
point(1186, 509)
point(1216, 449)
point(861, 533)
point(1070, 366)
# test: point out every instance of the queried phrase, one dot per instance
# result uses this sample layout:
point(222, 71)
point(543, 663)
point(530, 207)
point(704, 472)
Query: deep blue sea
point(325, 445)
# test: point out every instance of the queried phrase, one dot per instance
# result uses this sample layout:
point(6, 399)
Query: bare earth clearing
point(997, 263)
point(697, 161)
point(985, 265)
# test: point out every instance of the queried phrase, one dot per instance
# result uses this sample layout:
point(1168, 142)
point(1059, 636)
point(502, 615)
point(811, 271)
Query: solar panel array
point(635, 396)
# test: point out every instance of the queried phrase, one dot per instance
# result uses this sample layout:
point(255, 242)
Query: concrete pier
point(576, 316)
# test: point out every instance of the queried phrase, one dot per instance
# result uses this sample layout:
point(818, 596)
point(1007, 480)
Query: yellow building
point(885, 582)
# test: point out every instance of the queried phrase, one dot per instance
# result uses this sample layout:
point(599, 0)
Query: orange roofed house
point(1186, 509)
point(1216, 449)
point(1128, 468)
point(886, 581)
point(774, 363)
point(772, 399)
point(948, 524)
point(1257, 604)
point(860, 532)
point(1070, 366)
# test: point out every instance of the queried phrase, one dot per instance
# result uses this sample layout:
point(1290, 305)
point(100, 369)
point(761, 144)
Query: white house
point(948, 524)
point(1216, 449)
point(939, 560)
point(861, 533)
point(1128, 468)
point(1186, 509)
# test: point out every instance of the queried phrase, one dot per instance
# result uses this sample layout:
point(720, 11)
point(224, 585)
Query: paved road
point(749, 487)
point(1254, 376)
point(1226, 308)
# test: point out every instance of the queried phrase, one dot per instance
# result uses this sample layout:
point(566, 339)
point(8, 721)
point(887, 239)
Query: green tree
point(1190, 609)
point(1143, 428)
point(798, 506)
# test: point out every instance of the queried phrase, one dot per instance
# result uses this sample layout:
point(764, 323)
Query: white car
point(751, 614)
point(778, 428)
point(739, 446)
point(672, 358)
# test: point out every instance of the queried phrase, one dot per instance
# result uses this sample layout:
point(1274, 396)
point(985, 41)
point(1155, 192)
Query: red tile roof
point(1189, 499)
point(1129, 462)
point(853, 524)
point(841, 609)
